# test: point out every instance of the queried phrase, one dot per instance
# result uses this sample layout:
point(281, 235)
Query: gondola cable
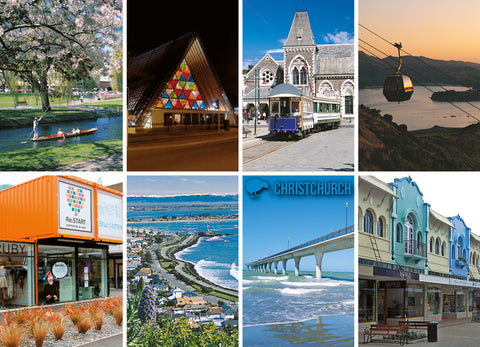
point(417, 82)
point(425, 63)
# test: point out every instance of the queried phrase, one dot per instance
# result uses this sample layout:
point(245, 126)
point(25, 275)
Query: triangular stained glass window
point(181, 87)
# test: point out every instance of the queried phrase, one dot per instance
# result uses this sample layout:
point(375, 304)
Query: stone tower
point(299, 53)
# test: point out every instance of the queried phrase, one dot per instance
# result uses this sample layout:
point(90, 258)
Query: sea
point(420, 112)
point(215, 258)
point(288, 310)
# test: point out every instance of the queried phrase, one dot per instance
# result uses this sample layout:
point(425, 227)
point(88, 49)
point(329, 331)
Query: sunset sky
point(438, 29)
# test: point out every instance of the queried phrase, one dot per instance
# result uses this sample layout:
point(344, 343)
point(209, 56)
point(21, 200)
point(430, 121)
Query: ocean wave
point(234, 271)
point(216, 273)
point(291, 321)
point(215, 238)
point(298, 291)
point(270, 278)
point(317, 284)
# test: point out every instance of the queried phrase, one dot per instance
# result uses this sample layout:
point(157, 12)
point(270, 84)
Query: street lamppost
point(346, 215)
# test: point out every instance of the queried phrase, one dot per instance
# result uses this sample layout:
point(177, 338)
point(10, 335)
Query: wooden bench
point(415, 324)
point(246, 131)
point(396, 331)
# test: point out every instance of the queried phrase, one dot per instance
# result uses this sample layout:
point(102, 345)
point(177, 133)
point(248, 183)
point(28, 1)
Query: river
point(109, 128)
point(420, 112)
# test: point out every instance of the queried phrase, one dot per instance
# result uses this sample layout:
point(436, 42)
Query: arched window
point(431, 244)
point(368, 222)
point(303, 76)
point(443, 249)
point(380, 227)
point(453, 252)
point(399, 233)
point(409, 238)
point(437, 246)
point(459, 247)
point(295, 76)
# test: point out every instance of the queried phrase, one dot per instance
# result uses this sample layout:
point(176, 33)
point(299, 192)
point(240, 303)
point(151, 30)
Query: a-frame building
point(174, 85)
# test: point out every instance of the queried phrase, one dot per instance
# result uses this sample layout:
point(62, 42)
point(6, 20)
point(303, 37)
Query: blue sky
point(173, 185)
point(269, 220)
point(331, 22)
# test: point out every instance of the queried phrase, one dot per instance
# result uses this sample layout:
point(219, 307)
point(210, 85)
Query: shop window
point(434, 301)
point(395, 299)
point(459, 302)
point(366, 301)
point(380, 227)
point(368, 222)
point(17, 274)
point(414, 301)
point(92, 269)
point(167, 119)
point(49, 258)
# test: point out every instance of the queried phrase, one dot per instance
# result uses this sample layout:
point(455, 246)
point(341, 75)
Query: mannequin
point(4, 283)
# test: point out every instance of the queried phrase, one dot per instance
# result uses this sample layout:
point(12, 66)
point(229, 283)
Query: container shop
point(57, 228)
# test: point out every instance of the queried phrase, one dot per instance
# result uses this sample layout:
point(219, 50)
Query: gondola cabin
point(397, 88)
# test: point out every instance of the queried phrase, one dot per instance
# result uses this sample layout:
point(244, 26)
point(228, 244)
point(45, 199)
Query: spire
point(300, 32)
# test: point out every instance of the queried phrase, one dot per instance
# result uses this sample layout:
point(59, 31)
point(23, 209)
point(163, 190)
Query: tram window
point(295, 106)
point(315, 107)
point(275, 107)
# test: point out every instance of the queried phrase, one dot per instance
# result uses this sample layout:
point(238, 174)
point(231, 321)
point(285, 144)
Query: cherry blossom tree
point(69, 37)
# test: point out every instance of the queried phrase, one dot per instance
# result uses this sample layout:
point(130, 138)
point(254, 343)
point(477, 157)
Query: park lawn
point(7, 100)
point(109, 104)
point(32, 113)
point(50, 158)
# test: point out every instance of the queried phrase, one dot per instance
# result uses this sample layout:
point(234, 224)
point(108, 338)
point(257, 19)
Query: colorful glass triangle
point(182, 91)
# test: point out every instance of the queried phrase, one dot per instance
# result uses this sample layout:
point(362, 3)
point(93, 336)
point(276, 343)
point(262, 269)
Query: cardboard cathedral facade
point(174, 85)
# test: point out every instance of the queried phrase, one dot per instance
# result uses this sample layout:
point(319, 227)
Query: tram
point(294, 112)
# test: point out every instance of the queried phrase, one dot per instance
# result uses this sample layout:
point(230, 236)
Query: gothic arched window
point(303, 76)
point(295, 76)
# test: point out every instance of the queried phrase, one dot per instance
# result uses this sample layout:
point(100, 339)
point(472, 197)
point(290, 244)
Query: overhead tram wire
point(416, 81)
point(420, 60)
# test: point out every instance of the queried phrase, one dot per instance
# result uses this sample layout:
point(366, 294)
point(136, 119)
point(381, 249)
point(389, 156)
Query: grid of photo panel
point(244, 173)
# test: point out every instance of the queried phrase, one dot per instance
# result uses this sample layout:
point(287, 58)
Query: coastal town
point(179, 292)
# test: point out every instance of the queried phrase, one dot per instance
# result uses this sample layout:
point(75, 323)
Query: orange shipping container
point(61, 207)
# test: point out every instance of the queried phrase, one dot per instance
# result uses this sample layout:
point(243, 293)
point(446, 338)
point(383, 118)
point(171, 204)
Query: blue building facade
point(459, 247)
point(410, 225)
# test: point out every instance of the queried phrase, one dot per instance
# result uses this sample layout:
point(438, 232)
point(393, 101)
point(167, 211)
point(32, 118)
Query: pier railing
point(323, 238)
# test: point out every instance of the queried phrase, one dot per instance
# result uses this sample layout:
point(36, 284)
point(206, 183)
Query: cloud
point(282, 41)
point(340, 37)
point(277, 50)
point(249, 61)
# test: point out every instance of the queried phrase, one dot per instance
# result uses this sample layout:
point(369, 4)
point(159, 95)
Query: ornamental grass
point(58, 330)
point(11, 335)
point(118, 316)
point(84, 324)
point(97, 318)
point(39, 332)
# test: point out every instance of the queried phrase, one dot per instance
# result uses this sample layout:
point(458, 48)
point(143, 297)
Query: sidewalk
point(451, 332)
point(110, 341)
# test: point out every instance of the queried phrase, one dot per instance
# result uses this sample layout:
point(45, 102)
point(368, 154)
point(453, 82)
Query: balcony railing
point(415, 248)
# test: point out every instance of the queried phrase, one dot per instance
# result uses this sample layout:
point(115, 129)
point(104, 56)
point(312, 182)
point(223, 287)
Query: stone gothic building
point(327, 70)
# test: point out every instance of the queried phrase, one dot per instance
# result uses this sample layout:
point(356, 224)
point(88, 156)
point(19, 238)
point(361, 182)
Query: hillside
point(372, 71)
point(386, 146)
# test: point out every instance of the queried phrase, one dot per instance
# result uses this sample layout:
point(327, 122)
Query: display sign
point(406, 275)
point(392, 284)
point(15, 249)
point(74, 205)
point(59, 269)
point(110, 216)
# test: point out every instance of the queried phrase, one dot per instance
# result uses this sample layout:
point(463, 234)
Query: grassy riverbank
point(24, 117)
point(50, 158)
